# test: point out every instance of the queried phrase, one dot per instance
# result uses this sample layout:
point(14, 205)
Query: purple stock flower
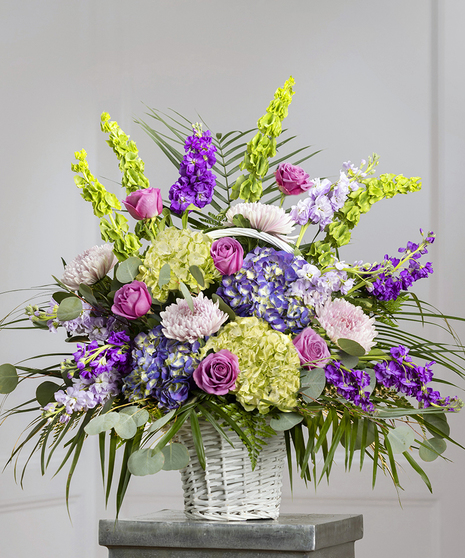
point(350, 384)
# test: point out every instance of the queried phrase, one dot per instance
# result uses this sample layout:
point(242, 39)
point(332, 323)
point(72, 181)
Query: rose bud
point(132, 301)
point(292, 180)
point(228, 255)
point(144, 204)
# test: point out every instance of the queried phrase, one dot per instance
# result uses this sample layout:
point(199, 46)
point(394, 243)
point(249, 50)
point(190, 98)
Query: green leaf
point(313, 382)
point(350, 347)
point(401, 438)
point(187, 295)
point(165, 275)
point(59, 296)
point(139, 416)
point(197, 437)
point(431, 449)
point(8, 378)
point(86, 292)
point(70, 308)
point(125, 427)
point(45, 392)
point(285, 421)
point(349, 361)
point(102, 423)
point(437, 425)
point(162, 421)
point(176, 457)
point(128, 270)
point(362, 424)
point(145, 462)
point(419, 470)
point(197, 274)
point(224, 307)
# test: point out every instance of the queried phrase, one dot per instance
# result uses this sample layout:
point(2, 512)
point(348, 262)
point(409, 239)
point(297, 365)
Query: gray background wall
point(370, 76)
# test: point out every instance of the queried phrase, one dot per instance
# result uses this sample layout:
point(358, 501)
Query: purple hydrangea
point(196, 182)
point(263, 288)
point(162, 369)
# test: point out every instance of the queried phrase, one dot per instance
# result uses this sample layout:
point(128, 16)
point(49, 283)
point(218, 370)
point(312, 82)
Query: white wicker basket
point(228, 489)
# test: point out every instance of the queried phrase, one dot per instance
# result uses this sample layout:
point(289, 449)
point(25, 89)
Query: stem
point(301, 235)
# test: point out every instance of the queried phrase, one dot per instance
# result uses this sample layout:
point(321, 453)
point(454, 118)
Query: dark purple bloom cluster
point(387, 286)
point(406, 377)
point(349, 384)
point(262, 288)
point(92, 360)
point(162, 369)
point(196, 182)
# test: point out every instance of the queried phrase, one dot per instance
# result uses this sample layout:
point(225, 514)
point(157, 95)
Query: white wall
point(370, 76)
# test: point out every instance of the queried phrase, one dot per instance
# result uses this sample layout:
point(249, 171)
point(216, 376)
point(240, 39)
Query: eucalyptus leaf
point(160, 423)
point(350, 347)
point(431, 449)
point(61, 295)
point(8, 378)
point(126, 427)
point(102, 423)
point(372, 375)
point(285, 421)
point(187, 295)
point(165, 275)
point(197, 274)
point(370, 435)
point(70, 308)
point(313, 382)
point(176, 457)
point(139, 416)
point(401, 438)
point(145, 462)
point(128, 270)
point(45, 392)
point(349, 361)
point(87, 293)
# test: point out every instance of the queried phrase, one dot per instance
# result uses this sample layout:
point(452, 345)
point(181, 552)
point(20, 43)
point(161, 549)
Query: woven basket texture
point(228, 489)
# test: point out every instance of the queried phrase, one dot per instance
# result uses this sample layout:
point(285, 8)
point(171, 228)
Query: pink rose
point(144, 204)
point(228, 255)
point(292, 180)
point(217, 373)
point(132, 301)
point(313, 350)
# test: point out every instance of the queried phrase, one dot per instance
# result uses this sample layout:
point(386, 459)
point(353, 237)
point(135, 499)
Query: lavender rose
point(144, 204)
point(292, 180)
point(132, 301)
point(228, 255)
point(217, 372)
point(313, 350)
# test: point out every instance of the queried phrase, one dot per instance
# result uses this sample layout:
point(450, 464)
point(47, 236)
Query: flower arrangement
point(228, 316)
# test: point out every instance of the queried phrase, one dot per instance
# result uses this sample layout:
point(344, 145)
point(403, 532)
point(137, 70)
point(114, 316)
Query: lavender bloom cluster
point(196, 182)
point(263, 288)
point(162, 369)
point(96, 375)
point(350, 384)
point(315, 287)
point(406, 377)
point(324, 199)
point(387, 286)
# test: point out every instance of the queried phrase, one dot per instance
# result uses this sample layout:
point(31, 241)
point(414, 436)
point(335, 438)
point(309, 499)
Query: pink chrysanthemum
point(263, 217)
point(342, 320)
point(89, 267)
point(179, 322)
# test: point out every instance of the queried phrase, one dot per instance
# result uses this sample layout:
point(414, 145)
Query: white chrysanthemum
point(89, 267)
point(267, 218)
point(342, 320)
point(179, 322)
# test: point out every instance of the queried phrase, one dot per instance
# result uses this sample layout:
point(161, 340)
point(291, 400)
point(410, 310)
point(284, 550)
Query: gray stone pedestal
point(169, 534)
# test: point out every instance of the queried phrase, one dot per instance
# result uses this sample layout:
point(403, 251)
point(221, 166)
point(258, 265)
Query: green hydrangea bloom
point(268, 363)
point(181, 249)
